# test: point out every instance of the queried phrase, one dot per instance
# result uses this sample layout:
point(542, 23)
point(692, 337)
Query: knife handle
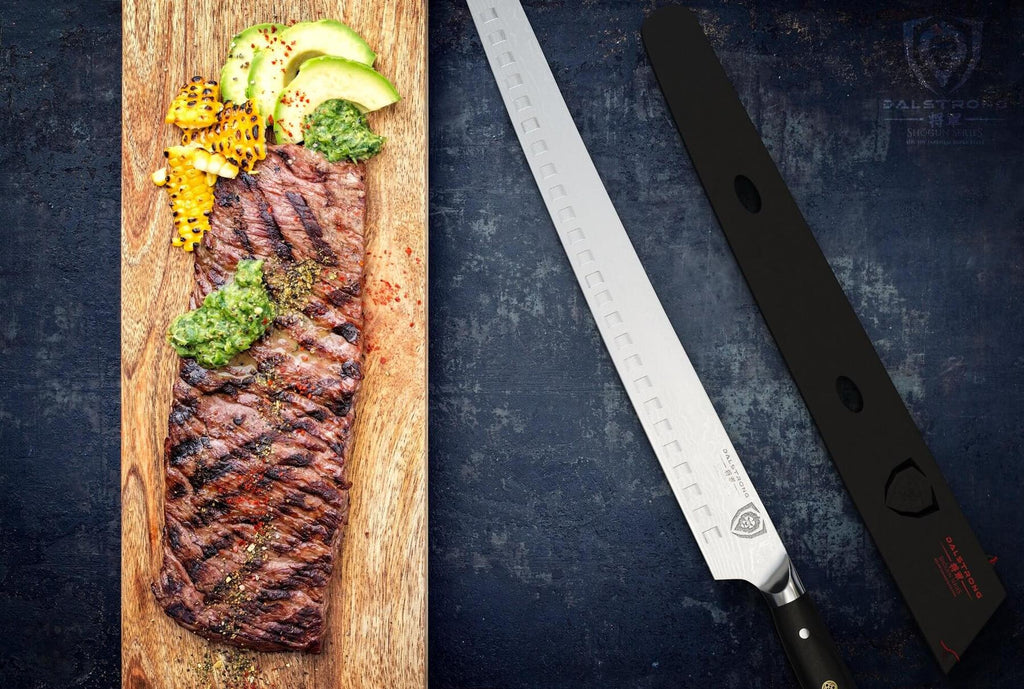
point(812, 653)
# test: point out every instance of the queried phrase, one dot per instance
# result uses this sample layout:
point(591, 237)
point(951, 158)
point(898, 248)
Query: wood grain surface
point(376, 619)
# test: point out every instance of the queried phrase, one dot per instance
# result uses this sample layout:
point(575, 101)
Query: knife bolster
point(785, 587)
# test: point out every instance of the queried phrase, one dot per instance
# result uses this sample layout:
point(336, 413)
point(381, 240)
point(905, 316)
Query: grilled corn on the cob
point(191, 197)
point(218, 140)
point(237, 135)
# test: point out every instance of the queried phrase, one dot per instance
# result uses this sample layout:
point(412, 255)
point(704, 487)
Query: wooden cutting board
point(376, 626)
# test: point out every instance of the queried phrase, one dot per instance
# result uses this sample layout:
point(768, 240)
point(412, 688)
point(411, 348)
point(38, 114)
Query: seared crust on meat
point(256, 494)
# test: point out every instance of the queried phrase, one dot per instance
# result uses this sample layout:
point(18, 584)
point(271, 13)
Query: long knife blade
point(702, 467)
point(732, 528)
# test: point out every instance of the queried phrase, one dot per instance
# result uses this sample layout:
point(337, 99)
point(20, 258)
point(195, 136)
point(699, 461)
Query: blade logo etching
point(747, 522)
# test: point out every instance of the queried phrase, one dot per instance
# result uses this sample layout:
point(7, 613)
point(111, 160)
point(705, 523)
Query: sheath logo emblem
point(747, 522)
point(942, 52)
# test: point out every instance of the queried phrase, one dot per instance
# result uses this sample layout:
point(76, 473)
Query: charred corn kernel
point(196, 105)
point(195, 136)
point(201, 160)
point(160, 177)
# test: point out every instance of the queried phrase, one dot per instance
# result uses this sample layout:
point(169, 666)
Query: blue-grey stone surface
point(558, 556)
point(60, 145)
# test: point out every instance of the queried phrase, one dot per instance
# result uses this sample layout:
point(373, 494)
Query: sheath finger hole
point(747, 193)
point(849, 394)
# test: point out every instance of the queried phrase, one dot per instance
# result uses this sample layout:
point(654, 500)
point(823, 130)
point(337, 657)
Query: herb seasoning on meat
point(290, 288)
point(228, 322)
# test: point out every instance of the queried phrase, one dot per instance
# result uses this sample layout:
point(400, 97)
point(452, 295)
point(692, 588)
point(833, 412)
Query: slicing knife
point(725, 514)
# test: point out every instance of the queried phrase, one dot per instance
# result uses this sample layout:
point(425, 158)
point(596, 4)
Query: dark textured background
point(558, 556)
point(60, 150)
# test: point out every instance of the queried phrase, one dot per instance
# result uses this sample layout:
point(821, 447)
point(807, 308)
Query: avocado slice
point(234, 75)
point(327, 78)
point(275, 66)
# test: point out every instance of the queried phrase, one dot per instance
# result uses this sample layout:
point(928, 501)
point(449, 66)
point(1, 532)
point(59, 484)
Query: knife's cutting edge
point(725, 514)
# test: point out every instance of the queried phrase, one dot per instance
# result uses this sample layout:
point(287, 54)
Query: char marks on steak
point(256, 495)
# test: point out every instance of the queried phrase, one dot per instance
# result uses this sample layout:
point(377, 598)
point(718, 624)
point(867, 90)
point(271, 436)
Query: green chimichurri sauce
point(339, 131)
point(228, 322)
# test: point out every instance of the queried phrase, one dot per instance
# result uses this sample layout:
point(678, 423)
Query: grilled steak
point(256, 495)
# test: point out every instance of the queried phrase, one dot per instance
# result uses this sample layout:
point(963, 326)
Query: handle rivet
point(829, 684)
point(805, 633)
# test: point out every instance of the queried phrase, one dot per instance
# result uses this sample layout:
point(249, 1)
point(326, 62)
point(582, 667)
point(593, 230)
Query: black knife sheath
point(924, 538)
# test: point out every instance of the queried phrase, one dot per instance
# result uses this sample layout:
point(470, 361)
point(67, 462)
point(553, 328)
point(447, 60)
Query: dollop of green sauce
point(228, 322)
point(338, 130)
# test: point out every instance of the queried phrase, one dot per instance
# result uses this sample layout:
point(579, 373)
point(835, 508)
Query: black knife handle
point(812, 653)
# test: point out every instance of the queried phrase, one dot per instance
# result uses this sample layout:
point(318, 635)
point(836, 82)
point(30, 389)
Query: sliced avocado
point(274, 67)
point(234, 76)
point(327, 78)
